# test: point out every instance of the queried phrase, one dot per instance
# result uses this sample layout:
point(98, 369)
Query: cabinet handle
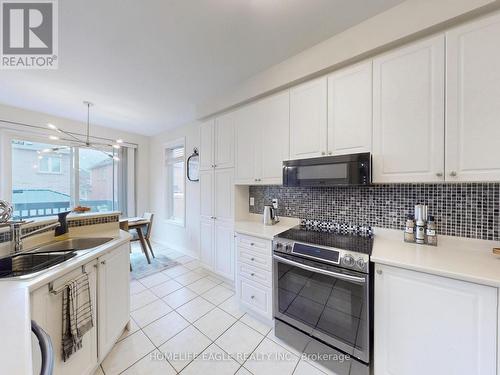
point(379, 272)
point(215, 218)
point(252, 274)
point(252, 259)
point(453, 173)
point(95, 265)
point(329, 152)
point(251, 244)
point(103, 262)
point(215, 165)
point(439, 174)
point(252, 297)
point(323, 153)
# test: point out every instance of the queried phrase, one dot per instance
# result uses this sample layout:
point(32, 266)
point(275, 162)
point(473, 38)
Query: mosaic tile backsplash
point(464, 210)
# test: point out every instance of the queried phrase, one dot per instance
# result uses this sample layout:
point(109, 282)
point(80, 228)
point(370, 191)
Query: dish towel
point(77, 314)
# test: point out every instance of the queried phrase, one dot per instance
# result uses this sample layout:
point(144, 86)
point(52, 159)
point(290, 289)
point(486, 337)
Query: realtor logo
point(29, 37)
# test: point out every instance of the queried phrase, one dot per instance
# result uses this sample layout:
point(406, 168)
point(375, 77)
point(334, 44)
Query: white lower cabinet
point(217, 247)
point(426, 324)
point(109, 289)
point(46, 310)
point(224, 250)
point(113, 295)
point(254, 275)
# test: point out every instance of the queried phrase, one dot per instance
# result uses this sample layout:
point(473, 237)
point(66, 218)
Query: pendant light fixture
point(86, 142)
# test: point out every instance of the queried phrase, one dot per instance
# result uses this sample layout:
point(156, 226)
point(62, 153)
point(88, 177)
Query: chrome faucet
point(61, 227)
point(18, 237)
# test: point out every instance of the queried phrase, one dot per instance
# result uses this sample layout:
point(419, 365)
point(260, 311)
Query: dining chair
point(149, 227)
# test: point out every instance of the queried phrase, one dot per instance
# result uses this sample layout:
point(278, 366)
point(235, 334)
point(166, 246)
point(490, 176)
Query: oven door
point(327, 302)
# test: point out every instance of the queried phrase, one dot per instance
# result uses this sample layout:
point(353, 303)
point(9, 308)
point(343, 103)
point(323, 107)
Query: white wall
point(41, 119)
point(186, 238)
point(397, 25)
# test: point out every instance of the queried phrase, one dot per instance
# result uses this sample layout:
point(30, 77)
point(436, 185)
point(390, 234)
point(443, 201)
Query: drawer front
point(255, 274)
point(255, 258)
point(254, 243)
point(256, 297)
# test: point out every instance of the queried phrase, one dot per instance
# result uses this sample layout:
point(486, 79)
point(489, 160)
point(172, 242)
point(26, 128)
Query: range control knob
point(288, 248)
point(279, 245)
point(361, 263)
point(348, 260)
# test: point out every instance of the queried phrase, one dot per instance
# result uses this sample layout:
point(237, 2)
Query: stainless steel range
point(323, 286)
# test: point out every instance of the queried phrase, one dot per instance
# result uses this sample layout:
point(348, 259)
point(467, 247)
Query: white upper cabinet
point(223, 194)
point(247, 137)
point(408, 113)
point(473, 101)
point(426, 324)
point(308, 119)
point(350, 110)
point(207, 146)
point(217, 143)
point(274, 138)
point(262, 140)
point(224, 141)
point(206, 194)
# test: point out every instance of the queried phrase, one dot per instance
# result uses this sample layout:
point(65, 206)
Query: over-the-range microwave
point(352, 169)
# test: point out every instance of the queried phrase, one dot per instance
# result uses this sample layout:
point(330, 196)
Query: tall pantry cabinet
point(217, 195)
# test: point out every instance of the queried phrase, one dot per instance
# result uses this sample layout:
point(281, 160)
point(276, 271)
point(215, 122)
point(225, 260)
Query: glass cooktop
point(350, 242)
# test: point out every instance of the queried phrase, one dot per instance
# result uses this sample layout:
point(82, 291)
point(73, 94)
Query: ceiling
point(147, 64)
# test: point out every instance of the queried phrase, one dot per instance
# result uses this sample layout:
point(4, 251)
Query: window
point(45, 180)
point(175, 200)
point(41, 183)
point(49, 164)
point(96, 183)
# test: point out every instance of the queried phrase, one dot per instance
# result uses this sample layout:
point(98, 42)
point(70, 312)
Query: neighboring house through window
point(49, 164)
point(45, 180)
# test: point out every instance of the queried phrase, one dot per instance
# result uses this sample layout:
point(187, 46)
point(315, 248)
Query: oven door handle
point(341, 276)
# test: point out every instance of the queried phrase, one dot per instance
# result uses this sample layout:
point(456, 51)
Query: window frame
point(168, 187)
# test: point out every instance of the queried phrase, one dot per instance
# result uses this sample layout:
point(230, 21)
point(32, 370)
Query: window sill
point(177, 223)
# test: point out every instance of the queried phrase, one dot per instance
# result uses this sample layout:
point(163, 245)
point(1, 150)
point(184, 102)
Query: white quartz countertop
point(253, 226)
point(455, 257)
point(15, 316)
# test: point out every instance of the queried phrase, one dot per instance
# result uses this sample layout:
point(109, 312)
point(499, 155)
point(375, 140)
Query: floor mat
point(141, 267)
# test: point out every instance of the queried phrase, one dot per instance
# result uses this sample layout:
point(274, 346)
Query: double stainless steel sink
point(46, 256)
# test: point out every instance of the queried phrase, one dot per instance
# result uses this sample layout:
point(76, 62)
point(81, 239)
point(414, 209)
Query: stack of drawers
point(254, 274)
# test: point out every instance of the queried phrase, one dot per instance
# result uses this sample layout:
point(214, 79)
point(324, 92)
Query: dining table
point(137, 223)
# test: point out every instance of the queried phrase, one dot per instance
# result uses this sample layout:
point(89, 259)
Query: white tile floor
point(185, 320)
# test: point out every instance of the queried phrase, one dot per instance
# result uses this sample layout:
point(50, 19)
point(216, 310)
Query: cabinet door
point(207, 150)
point(224, 196)
point(449, 324)
point(473, 97)
point(247, 123)
point(350, 110)
point(275, 140)
point(308, 119)
point(224, 141)
point(408, 110)
point(207, 194)
point(207, 243)
point(46, 311)
point(224, 250)
point(113, 297)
